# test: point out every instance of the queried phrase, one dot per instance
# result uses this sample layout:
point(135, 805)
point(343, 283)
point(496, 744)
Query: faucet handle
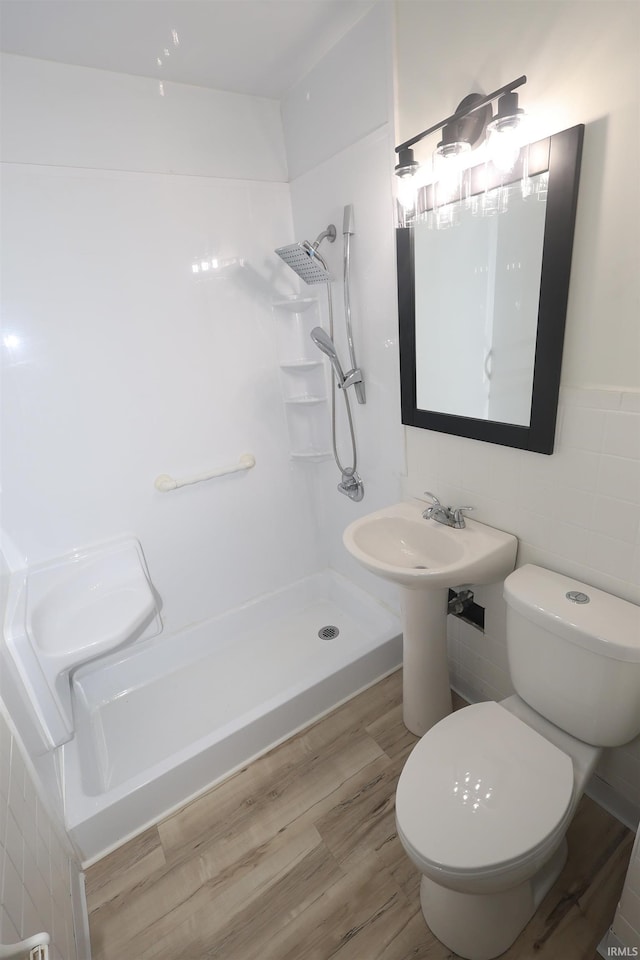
point(434, 499)
point(458, 519)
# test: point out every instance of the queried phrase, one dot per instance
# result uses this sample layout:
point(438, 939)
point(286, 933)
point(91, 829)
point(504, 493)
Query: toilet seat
point(481, 794)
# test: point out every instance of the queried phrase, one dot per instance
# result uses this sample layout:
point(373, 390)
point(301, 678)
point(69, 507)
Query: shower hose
point(348, 471)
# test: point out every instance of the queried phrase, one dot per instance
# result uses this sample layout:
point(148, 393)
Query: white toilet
point(486, 796)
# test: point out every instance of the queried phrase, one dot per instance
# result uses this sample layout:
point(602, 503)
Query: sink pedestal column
point(426, 692)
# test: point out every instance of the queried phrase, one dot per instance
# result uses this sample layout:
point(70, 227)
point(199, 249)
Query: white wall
point(577, 511)
point(118, 363)
point(339, 140)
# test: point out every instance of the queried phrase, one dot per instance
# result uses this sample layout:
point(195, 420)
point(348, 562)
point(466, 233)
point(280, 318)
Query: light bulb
point(506, 133)
point(505, 142)
point(450, 177)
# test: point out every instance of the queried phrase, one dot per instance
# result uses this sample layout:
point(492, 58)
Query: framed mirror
point(483, 283)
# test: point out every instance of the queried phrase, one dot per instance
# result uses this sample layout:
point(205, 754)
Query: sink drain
point(328, 633)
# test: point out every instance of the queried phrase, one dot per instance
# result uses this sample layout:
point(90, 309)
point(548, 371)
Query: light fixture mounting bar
point(508, 88)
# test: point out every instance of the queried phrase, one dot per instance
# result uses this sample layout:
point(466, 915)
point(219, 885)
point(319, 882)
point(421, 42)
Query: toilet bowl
point(482, 808)
point(486, 796)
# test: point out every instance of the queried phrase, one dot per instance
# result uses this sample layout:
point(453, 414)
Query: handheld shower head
point(324, 342)
point(304, 259)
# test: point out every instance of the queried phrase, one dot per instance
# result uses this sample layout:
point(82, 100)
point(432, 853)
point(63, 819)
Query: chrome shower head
point(304, 259)
point(324, 342)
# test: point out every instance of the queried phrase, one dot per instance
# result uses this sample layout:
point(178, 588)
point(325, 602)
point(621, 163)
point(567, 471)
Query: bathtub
point(170, 717)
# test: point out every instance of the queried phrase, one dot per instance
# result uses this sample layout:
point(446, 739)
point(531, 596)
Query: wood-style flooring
point(296, 858)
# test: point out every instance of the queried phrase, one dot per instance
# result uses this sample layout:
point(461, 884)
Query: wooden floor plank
point(364, 821)
point(296, 858)
point(390, 732)
point(350, 920)
point(122, 870)
point(238, 921)
point(225, 895)
point(263, 799)
point(256, 931)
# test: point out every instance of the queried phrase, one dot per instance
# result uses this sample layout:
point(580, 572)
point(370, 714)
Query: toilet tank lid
point(606, 625)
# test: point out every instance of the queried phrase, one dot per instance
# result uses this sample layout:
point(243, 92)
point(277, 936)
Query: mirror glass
point(482, 292)
point(477, 291)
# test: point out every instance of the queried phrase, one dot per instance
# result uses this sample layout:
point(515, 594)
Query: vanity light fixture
point(407, 163)
point(505, 132)
point(468, 127)
point(461, 135)
point(451, 155)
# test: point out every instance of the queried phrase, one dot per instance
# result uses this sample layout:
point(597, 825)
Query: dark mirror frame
point(561, 154)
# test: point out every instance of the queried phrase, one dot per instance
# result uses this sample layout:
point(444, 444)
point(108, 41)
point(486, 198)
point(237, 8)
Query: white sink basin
point(397, 543)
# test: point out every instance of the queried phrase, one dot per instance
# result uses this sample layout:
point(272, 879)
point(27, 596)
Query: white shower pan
point(162, 723)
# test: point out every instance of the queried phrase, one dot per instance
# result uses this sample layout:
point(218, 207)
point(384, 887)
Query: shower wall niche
point(303, 378)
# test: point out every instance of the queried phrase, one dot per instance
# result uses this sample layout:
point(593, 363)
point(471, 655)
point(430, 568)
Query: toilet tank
point(574, 660)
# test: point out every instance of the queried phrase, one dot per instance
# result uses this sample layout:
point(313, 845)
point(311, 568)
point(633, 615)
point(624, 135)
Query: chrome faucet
point(450, 516)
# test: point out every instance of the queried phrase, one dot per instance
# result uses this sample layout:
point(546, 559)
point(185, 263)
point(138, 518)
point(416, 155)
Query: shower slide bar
point(164, 483)
point(35, 948)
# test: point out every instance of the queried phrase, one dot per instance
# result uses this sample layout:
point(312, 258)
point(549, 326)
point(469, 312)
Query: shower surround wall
point(120, 363)
point(339, 151)
point(577, 511)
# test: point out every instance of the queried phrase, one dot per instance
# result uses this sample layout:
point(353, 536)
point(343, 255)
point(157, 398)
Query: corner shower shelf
point(310, 456)
point(303, 378)
point(295, 304)
point(305, 399)
point(301, 364)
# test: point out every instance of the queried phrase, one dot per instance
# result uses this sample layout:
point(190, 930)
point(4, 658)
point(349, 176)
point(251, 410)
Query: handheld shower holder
point(358, 385)
point(351, 379)
point(351, 485)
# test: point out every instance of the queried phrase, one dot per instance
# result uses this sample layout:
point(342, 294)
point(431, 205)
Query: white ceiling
point(258, 47)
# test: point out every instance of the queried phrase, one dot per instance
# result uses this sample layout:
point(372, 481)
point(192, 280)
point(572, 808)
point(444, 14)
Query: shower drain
point(328, 633)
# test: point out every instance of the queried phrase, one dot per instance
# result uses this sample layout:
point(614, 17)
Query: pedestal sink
point(425, 558)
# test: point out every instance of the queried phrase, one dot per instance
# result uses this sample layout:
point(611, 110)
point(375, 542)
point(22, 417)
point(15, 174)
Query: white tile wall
point(35, 858)
point(626, 923)
point(577, 512)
